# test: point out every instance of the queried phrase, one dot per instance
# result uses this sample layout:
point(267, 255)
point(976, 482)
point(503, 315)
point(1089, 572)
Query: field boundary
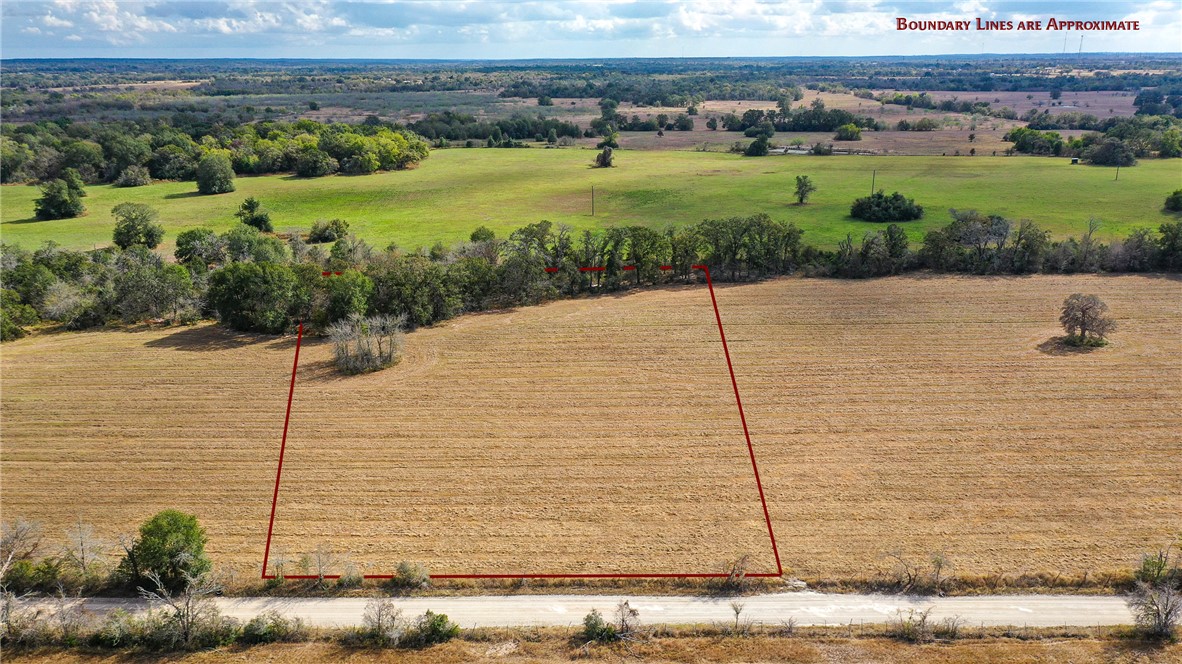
point(661, 575)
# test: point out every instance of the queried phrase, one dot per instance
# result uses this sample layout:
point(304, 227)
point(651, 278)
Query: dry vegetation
point(551, 647)
point(912, 414)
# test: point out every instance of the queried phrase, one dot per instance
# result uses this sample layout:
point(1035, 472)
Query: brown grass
point(551, 647)
point(915, 414)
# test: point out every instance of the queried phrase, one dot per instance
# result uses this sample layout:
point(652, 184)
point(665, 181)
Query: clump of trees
point(361, 344)
point(1086, 320)
point(135, 225)
point(328, 231)
point(882, 208)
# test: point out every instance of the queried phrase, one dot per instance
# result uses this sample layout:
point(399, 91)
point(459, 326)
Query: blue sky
point(507, 29)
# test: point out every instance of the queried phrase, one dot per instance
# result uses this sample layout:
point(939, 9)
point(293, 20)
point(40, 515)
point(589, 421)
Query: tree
point(757, 148)
point(552, 137)
point(1085, 319)
point(251, 213)
point(604, 159)
point(253, 297)
point(1157, 609)
point(135, 225)
point(849, 132)
point(59, 200)
point(1174, 201)
point(169, 552)
point(200, 244)
point(804, 188)
point(14, 315)
point(1111, 152)
point(215, 174)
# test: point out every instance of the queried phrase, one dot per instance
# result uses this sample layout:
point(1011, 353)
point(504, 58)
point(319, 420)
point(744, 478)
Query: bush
point(134, 225)
point(821, 150)
point(1174, 201)
point(365, 344)
point(757, 148)
point(272, 627)
point(312, 163)
point(604, 159)
point(134, 176)
point(14, 315)
point(215, 174)
point(879, 207)
point(429, 629)
point(598, 630)
point(411, 576)
point(328, 231)
point(253, 297)
point(252, 214)
point(849, 132)
point(1111, 152)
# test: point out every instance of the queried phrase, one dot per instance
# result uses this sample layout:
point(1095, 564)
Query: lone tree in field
point(363, 344)
point(804, 188)
point(1085, 319)
point(61, 198)
point(215, 174)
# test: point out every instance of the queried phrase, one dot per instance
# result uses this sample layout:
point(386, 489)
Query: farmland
point(456, 190)
point(915, 414)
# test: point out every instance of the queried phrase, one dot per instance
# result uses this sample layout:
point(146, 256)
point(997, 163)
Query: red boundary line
point(282, 449)
point(715, 575)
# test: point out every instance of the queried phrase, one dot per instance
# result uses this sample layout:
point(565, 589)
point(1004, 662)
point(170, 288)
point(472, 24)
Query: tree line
point(106, 152)
point(256, 281)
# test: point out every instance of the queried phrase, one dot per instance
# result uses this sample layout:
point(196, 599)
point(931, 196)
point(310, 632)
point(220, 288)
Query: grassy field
point(454, 191)
point(912, 414)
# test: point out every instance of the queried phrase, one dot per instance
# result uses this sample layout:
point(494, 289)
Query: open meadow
point(911, 414)
point(457, 190)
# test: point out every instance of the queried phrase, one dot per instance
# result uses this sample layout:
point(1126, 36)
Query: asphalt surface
point(807, 608)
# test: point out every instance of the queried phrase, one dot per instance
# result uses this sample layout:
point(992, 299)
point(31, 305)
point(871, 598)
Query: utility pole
point(592, 200)
point(1117, 173)
point(873, 175)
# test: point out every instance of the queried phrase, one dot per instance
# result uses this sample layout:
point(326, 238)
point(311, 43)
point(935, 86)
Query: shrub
point(134, 176)
point(215, 174)
point(821, 150)
point(134, 225)
point(913, 626)
point(272, 627)
point(313, 163)
point(431, 628)
point(604, 159)
point(200, 244)
point(14, 315)
point(598, 630)
point(253, 297)
point(757, 148)
point(251, 213)
point(849, 132)
point(382, 622)
point(1157, 609)
point(411, 575)
point(328, 231)
point(1174, 201)
point(363, 344)
point(879, 207)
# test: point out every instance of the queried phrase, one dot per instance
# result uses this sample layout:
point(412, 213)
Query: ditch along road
point(806, 608)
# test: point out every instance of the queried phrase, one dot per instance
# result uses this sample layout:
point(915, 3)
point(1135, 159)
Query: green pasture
point(456, 190)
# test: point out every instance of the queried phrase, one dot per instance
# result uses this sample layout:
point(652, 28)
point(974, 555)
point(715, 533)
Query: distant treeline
point(102, 152)
point(461, 126)
point(257, 282)
point(1116, 141)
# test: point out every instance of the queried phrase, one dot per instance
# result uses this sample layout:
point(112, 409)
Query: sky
point(517, 29)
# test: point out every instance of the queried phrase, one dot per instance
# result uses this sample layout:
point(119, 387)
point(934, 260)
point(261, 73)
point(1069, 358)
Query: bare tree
point(361, 344)
point(190, 609)
point(279, 559)
point(1157, 609)
point(1085, 315)
point(19, 540)
point(383, 622)
point(83, 549)
point(627, 620)
point(323, 560)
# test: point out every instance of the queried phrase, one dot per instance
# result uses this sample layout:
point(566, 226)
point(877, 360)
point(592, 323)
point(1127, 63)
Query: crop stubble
point(916, 414)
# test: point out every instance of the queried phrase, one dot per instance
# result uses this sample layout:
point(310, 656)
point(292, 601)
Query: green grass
point(454, 191)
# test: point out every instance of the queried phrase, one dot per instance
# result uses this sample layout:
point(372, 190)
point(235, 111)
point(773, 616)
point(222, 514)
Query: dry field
point(915, 414)
point(553, 647)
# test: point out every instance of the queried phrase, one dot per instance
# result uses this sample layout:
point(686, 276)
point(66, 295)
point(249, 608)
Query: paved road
point(808, 608)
